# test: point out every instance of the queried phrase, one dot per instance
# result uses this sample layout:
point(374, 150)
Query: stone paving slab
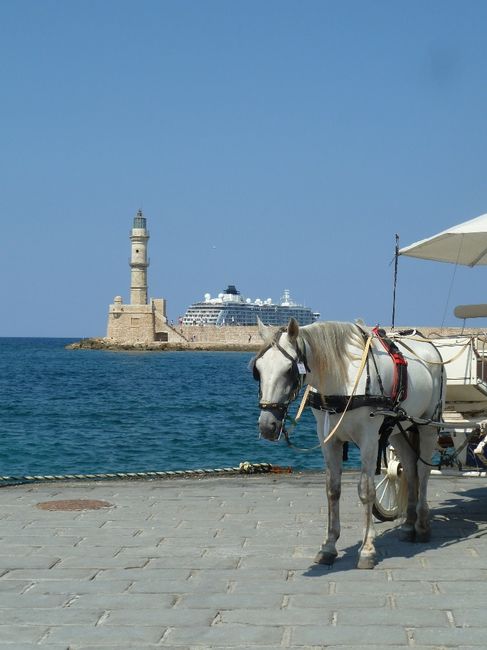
point(227, 562)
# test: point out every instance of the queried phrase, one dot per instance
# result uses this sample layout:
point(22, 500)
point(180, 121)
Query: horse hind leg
point(408, 497)
point(427, 444)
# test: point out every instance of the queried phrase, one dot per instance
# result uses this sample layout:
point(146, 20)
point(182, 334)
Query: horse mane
point(273, 339)
point(329, 342)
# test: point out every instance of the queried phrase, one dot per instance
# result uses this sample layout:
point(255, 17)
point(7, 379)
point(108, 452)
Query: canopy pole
point(396, 258)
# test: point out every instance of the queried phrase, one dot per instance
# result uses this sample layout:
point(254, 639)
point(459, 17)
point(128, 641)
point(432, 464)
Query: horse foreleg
point(333, 457)
point(427, 444)
point(366, 492)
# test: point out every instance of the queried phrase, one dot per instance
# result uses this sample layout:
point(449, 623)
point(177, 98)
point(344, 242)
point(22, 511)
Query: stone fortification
point(140, 324)
point(181, 338)
point(234, 338)
point(237, 335)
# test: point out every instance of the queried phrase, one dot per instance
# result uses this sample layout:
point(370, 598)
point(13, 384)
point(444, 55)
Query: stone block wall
point(239, 335)
point(130, 324)
point(135, 324)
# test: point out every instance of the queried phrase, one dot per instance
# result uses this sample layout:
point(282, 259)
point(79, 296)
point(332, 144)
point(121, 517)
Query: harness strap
point(377, 374)
point(300, 359)
point(338, 403)
point(399, 391)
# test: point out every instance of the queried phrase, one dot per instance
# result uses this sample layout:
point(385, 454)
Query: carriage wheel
point(386, 506)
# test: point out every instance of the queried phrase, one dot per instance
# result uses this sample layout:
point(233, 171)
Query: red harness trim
point(399, 390)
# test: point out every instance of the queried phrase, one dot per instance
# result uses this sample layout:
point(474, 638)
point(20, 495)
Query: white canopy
point(464, 244)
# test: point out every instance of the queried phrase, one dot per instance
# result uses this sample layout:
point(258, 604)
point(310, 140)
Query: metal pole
point(396, 258)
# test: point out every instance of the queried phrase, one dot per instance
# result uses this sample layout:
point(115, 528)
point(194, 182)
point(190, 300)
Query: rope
point(244, 468)
point(433, 363)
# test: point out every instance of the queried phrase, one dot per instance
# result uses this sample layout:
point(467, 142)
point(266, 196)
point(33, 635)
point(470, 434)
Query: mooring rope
point(244, 468)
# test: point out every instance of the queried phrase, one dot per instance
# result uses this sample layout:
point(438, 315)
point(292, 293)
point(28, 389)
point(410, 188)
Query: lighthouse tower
point(143, 321)
point(139, 237)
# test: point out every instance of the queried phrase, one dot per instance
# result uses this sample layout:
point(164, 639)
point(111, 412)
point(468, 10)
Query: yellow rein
point(434, 363)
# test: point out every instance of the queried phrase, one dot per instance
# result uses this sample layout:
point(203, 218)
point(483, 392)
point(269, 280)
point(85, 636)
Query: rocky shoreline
point(98, 343)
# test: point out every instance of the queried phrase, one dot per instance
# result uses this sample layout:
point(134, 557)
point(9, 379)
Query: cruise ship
point(230, 308)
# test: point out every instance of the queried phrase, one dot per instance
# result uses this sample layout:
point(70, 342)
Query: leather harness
point(337, 403)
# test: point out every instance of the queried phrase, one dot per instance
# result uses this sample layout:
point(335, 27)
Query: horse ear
point(264, 331)
point(293, 329)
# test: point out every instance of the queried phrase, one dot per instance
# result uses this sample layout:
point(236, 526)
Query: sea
point(96, 411)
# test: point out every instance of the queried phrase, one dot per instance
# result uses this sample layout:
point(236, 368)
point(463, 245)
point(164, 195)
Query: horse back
point(426, 376)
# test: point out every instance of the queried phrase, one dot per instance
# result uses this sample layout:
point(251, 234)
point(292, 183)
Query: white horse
point(330, 357)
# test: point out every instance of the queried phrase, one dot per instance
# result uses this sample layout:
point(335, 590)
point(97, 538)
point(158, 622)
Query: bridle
point(299, 369)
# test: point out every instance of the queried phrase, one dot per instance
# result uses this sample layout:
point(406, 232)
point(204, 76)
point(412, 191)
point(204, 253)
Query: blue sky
point(270, 144)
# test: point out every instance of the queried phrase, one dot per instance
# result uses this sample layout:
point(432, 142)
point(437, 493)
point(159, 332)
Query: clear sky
point(270, 144)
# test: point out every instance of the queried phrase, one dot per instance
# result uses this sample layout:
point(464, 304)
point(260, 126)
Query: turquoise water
point(90, 411)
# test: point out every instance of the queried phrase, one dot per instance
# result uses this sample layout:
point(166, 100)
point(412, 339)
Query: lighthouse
point(143, 320)
point(139, 262)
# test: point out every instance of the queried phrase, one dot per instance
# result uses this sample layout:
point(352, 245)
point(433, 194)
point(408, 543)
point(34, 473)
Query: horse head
point(279, 368)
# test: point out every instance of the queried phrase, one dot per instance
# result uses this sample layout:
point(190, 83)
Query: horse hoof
point(407, 534)
point(423, 536)
point(325, 557)
point(366, 562)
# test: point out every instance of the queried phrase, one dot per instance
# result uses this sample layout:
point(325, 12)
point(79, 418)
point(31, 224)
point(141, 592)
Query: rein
point(434, 363)
point(294, 422)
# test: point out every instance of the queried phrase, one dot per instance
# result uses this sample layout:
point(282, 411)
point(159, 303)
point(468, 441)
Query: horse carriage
point(430, 401)
point(461, 446)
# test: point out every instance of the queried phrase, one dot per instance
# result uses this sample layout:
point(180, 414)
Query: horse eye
point(290, 373)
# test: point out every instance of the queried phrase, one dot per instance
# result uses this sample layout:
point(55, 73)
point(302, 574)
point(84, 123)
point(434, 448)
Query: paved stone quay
point(227, 562)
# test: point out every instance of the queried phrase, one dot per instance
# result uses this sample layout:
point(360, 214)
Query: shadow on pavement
point(454, 520)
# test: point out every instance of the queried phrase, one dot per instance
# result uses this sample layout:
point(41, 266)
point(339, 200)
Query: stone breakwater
point(162, 346)
point(237, 339)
